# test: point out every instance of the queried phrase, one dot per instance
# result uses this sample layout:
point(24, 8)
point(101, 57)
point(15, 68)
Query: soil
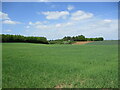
point(63, 86)
point(82, 42)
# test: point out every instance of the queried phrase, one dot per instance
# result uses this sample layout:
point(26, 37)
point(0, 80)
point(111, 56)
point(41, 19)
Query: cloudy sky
point(55, 20)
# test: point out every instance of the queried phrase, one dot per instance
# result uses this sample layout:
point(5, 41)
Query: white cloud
point(56, 14)
point(58, 25)
point(3, 16)
point(26, 30)
point(41, 26)
point(70, 7)
point(42, 0)
point(107, 21)
point(69, 23)
point(38, 23)
point(61, 25)
point(8, 30)
point(89, 28)
point(10, 22)
point(45, 25)
point(6, 20)
point(86, 24)
point(80, 15)
point(27, 26)
point(30, 23)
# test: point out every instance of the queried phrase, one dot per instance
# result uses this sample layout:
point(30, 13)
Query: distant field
point(106, 42)
point(94, 65)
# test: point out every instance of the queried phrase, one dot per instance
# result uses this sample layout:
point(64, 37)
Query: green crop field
point(27, 65)
point(106, 42)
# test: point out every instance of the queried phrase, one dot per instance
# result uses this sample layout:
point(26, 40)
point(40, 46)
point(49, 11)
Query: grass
point(106, 42)
point(0, 65)
point(27, 65)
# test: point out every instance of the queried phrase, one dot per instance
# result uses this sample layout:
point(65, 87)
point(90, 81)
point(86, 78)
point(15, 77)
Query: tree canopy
point(20, 38)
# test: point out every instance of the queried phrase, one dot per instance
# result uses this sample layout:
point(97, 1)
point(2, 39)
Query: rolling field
point(26, 65)
point(106, 42)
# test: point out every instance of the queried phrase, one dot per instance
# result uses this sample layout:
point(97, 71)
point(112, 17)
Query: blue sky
point(58, 19)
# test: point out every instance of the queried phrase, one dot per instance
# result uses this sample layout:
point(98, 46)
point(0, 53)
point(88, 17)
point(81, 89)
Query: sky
point(60, 0)
point(54, 20)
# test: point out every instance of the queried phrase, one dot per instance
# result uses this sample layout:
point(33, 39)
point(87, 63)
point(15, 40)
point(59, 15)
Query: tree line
point(31, 39)
point(20, 38)
point(69, 40)
point(82, 38)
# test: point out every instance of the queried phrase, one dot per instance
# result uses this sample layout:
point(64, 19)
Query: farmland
point(28, 65)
